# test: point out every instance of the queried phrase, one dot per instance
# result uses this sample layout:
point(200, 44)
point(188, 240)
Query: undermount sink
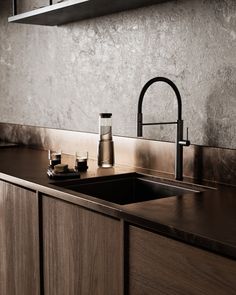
point(128, 188)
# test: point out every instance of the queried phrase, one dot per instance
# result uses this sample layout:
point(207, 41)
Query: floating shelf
point(74, 10)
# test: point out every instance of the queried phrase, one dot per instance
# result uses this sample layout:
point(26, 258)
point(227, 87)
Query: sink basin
point(127, 188)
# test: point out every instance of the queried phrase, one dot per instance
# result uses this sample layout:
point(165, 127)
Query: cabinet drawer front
point(19, 241)
point(159, 265)
point(82, 250)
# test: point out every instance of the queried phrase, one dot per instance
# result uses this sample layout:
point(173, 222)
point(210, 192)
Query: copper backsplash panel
point(201, 163)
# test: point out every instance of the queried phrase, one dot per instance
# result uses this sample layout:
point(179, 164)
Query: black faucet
point(180, 123)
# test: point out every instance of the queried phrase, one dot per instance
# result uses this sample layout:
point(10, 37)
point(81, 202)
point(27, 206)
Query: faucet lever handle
point(185, 142)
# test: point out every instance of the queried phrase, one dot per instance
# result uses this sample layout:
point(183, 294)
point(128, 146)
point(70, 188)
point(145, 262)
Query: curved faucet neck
point(179, 138)
point(169, 82)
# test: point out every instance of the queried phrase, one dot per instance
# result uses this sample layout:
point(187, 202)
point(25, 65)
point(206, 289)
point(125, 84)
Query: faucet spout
point(179, 134)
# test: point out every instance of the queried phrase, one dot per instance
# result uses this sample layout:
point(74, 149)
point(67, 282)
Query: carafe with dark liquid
point(106, 146)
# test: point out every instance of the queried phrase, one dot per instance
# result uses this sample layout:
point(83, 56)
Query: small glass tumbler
point(54, 158)
point(81, 159)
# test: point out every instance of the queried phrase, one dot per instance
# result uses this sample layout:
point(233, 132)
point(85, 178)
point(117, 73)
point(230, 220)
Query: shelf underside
point(74, 10)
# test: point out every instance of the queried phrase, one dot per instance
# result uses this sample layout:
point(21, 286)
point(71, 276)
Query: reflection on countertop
point(7, 144)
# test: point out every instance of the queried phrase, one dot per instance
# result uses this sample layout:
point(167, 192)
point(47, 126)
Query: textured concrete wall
point(63, 77)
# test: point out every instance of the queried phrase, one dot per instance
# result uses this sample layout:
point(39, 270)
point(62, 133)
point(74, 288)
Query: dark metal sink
point(128, 188)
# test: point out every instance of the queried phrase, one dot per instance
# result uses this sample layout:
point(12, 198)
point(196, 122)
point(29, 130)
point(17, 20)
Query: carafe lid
point(105, 115)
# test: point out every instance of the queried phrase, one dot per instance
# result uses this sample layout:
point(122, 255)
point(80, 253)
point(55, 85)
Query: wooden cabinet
point(74, 251)
point(19, 243)
point(82, 251)
point(159, 265)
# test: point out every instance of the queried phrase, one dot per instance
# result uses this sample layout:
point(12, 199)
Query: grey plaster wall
point(63, 77)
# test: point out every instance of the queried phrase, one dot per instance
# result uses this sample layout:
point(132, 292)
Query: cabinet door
point(19, 245)
point(159, 265)
point(81, 250)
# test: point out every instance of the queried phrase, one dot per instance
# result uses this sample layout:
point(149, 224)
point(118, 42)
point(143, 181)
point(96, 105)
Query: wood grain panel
point(81, 251)
point(19, 250)
point(159, 265)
